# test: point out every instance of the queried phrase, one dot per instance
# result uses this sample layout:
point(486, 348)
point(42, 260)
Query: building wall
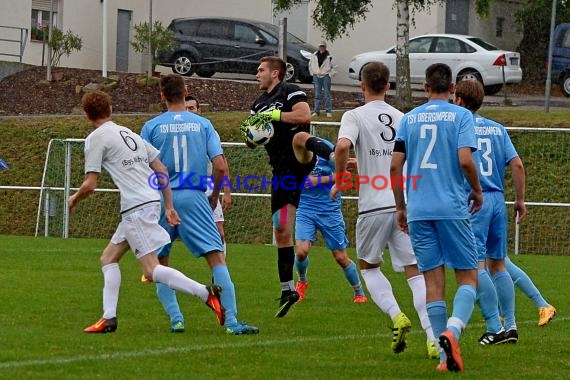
point(487, 28)
point(377, 31)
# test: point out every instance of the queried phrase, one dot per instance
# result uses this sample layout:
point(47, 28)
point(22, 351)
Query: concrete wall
point(486, 28)
point(8, 68)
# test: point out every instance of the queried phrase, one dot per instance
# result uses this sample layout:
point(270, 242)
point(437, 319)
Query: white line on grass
point(232, 345)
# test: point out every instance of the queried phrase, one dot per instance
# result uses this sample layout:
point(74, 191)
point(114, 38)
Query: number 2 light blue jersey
point(184, 140)
point(432, 134)
point(495, 151)
point(316, 197)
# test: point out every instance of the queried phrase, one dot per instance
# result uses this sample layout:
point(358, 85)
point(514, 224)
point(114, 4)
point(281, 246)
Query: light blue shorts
point(490, 227)
point(331, 226)
point(197, 228)
point(443, 242)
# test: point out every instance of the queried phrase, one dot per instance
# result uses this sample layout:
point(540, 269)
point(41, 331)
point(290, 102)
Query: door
point(213, 44)
point(123, 30)
point(420, 58)
point(248, 47)
point(457, 16)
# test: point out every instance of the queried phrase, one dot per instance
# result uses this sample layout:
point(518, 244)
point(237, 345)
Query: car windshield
point(483, 44)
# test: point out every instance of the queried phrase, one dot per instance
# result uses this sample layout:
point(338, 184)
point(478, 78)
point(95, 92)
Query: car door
point(420, 58)
point(213, 43)
point(452, 52)
point(248, 47)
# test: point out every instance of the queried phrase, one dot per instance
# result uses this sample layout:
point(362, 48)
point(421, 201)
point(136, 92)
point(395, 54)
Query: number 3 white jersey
point(126, 157)
point(372, 130)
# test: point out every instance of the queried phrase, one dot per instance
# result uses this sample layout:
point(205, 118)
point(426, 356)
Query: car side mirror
point(260, 41)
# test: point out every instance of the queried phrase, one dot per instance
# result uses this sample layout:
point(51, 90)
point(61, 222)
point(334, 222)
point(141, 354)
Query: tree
point(336, 18)
point(63, 44)
point(161, 38)
point(534, 20)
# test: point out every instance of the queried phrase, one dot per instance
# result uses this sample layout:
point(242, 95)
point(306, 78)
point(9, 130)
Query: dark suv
point(561, 58)
point(209, 45)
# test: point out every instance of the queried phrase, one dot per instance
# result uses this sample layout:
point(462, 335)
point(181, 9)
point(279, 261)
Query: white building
point(85, 18)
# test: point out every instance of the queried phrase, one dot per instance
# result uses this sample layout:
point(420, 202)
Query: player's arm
point(161, 171)
point(300, 114)
point(227, 197)
point(341, 154)
point(470, 172)
point(87, 187)
point(219, 170)
point(519, 184)
point(397, 171)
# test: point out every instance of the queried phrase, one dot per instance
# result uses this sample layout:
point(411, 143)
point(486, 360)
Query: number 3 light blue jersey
point(495, 151)
point(184, 140)
point(432, 134)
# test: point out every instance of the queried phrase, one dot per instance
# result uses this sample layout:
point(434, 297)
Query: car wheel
point(183, 64)
point(469, 74)
point(291, 72)
point(492, 90)
point(205, 73)
point(565, 85)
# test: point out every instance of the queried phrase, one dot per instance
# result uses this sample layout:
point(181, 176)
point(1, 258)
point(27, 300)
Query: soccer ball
point(259, 134)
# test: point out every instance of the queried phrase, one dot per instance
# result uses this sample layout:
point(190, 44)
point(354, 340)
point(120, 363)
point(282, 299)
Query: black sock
point(285, 262)
point(319, 147)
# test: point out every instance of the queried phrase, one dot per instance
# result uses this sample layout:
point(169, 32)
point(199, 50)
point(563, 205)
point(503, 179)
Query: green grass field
point(52, 290)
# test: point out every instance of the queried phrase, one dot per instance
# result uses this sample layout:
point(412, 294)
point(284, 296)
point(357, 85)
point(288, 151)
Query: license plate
point(514, 61)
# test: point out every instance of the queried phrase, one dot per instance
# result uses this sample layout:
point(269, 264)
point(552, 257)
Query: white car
point(468, 57)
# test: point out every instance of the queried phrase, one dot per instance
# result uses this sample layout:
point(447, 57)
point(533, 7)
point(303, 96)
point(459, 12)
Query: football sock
point(463, 304)
point(351, 275)
point(112, 280)
point(301, 267)
point(488, 302)
point(178, 281)
point(319, 147)
point(437, 312)
point(381, 291)
point(169, 302)
point(285, 263)
point(228, 297)
point(418, 286)
point(506, 295)
point(523, 281)
point(225, 249)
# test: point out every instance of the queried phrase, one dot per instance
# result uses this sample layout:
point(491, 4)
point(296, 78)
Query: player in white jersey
point(371, 130)
point(132, 164)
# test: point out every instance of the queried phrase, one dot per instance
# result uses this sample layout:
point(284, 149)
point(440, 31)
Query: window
point(566, 39)
point(187, 28)
point(448, 45)
point(244, 33)
point(213, 29)
point(40, 18)
point(420, 45)
point(268, 37)
point(499, 27)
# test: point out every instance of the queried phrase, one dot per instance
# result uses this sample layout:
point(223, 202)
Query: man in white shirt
point(138, 173)
point(322, 69)
point(371, 131)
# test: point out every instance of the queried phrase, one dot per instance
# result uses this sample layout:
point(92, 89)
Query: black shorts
point(290, 185)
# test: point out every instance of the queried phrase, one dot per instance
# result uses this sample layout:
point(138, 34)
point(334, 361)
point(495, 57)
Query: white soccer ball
point(260, 134)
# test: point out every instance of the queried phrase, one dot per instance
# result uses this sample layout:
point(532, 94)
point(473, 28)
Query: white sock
point(112, 280)
point(381, 291)
point(178, 281)
point(225, 249)
point(418, 286)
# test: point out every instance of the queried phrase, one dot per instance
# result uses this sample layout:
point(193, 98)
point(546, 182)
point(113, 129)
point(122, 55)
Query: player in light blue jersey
point(496, 152)
point(437, 140)
point(318, 212)
point(186, 141)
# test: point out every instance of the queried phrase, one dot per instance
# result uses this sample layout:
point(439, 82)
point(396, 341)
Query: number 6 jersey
point(126, 157)
point(372, 130)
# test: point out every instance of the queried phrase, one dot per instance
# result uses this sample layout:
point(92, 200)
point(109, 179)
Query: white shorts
point(218, 213)
point(141, 230)
point(375, 232)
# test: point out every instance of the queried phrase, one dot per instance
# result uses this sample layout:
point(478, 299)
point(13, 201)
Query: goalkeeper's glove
point(273, 115)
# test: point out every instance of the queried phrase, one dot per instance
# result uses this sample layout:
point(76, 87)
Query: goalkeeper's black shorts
point(287, 186)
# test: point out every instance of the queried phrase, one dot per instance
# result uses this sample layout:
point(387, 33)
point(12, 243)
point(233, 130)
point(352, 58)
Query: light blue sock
point(301, 268)
point(488, 302)
point(523, 281)
point(506, 294)
point(351, 275)
point(437, 313)
point(222, 277)
point(463, 305)
point(167, 297)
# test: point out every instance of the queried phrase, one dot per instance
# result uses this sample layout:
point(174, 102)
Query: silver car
point(468, 57)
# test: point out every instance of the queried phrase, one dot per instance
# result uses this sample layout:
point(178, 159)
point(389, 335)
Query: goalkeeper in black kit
point(291, 153)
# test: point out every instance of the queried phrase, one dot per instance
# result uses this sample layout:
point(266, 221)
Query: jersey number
point(484, 146)
point(176, 150)
point(387, 121)
point(425, 164)
point(129, 141)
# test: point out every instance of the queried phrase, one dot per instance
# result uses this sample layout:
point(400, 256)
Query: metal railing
point(21, 41)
